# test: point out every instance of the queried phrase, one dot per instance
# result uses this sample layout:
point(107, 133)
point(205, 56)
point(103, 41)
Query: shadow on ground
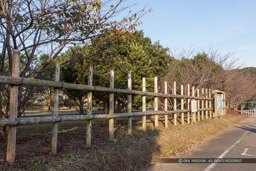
point(128, 152)
point(250, 128)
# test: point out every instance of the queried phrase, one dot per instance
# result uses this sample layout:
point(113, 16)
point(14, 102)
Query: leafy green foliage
point(125, 52)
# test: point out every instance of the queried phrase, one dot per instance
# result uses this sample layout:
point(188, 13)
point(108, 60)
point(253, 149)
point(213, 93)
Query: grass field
point(128, 152)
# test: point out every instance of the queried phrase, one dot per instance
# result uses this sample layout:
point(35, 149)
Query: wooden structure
point(15, 81)
point(219, 103)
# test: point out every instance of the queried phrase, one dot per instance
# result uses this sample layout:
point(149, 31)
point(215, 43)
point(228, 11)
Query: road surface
point(236, 142)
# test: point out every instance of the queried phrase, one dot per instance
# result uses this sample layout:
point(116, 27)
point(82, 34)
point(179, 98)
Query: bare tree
point(202, 69)
point(212, 70)
point(240, 85)
point(36, 26)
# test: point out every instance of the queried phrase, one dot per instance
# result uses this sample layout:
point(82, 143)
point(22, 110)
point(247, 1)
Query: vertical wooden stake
point(13, 109)
point(111, 106)
point(206, 104)
point(202, 104)
point(198, 105)
point(165, 105)
point(144, 118)
point(175, 104)
point(188, 105)
point(55, 112)
point(225, 104)
point(193, 114)
point(89, 108)
point(156, 102)
point(215, 105)
point(222, 103)
point(129, 102)
point(210, 103)
point(182, 104)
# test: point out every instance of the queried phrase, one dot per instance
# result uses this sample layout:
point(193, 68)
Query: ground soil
point(127, 152)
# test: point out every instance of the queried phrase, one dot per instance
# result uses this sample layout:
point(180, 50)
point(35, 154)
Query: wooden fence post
point(224, 104)
point(215, 105)
point(202, 104)
point(198, 105)
point(210, 102)
point(182, 104)
point(188, 105)
point(156, 102)
point(111, 106)
point(175, 104)
point(89, 108)
point(55, 112)
point(129, 102)
point(193, 114)
point(13, 109)
point(144, 118)
point(206, 104)
point(166, 105)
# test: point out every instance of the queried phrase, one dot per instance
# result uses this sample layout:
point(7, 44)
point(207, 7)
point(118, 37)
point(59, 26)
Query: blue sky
point(228, 26)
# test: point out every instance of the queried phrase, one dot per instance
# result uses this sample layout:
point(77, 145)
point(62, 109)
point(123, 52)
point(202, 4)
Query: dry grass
point(183, 138)
point(126, 153)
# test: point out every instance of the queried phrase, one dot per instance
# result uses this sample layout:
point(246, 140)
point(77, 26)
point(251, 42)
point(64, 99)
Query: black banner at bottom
point(207, 160)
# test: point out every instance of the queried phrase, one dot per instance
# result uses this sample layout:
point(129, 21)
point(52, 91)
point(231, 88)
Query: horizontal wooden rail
point(52, 119)
point(55, 84)
point(205, 109)
point(185, 94)
point(72, 117)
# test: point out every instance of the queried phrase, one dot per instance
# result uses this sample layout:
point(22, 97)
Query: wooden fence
point(204, 100)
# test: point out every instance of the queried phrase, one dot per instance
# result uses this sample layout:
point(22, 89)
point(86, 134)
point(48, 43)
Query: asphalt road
point(236, 142)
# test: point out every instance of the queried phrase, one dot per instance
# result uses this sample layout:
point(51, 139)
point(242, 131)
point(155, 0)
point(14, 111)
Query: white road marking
point(245, 153)
point(211, 166)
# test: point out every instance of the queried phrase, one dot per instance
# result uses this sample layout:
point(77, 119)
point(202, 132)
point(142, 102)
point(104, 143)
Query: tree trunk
point(4, 130)
point(7, 109)
point(120, 105)
point(81, 105)
point(236, 106)
point(1, 115)
point(1, 101)
point(49, 108)
point(19, 101)
point(106, 107)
